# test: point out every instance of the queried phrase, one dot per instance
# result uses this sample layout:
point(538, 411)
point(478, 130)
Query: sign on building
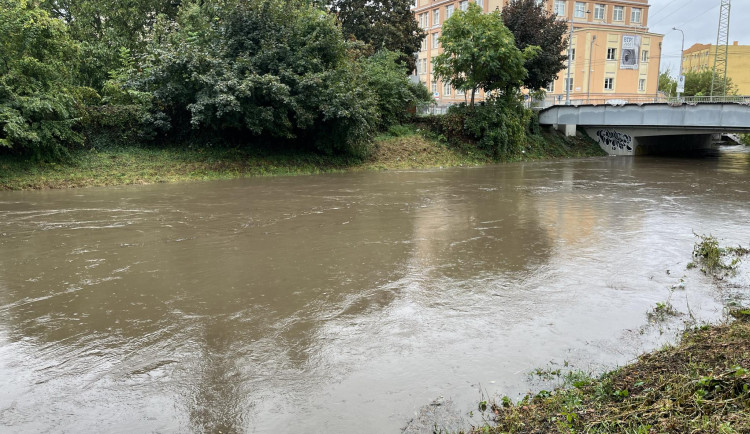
point(631, 51)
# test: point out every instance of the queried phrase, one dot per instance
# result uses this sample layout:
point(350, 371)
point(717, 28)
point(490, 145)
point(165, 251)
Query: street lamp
point(682, 54)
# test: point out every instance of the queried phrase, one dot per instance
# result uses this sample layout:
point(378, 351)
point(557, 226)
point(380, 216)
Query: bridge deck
point(721, 117)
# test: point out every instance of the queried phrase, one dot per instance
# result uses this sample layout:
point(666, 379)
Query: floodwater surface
point(345, 303)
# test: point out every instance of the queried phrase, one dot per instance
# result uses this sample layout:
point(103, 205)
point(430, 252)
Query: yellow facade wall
point(700, 57)
point(592, 37)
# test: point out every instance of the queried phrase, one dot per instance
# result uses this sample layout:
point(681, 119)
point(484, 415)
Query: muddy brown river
point(347, 302)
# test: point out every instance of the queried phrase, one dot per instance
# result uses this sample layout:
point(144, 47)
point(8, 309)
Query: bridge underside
point(647, 141)
point(650, 128)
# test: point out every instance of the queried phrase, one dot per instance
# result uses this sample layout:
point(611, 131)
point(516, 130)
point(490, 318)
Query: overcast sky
point(699, 19)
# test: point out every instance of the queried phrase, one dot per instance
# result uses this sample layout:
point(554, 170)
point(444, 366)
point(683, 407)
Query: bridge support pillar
point(569, 130)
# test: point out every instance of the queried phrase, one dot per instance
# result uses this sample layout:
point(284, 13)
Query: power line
point(675, 11)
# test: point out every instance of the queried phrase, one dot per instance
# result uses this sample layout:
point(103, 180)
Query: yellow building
point(700, 57)
point(615, 57)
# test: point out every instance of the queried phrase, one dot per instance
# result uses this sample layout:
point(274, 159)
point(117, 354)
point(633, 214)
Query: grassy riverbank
point(701, 385)
point(405, 148)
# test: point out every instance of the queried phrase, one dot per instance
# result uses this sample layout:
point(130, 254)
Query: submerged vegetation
point(713, 259)
point(701, 385)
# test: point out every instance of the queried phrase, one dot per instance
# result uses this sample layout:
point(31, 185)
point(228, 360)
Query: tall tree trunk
point(473, 91)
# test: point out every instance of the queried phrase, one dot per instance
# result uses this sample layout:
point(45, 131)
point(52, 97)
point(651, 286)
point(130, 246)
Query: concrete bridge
point(638, 129)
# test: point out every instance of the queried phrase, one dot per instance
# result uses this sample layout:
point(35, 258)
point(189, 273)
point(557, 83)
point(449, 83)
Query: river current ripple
point(347, 302)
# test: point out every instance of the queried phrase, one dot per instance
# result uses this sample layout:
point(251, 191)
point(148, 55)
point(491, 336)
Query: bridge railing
point(557, 100)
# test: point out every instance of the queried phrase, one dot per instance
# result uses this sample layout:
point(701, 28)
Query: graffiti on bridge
point(615, 140)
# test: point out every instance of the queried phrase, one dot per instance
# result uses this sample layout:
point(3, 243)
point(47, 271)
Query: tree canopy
point(278, 72)
point(381, 24)
point(667, 84)
point(699, 84)
point(102, 27)
point(479, 52)
point(532, 25)
point(37, 107)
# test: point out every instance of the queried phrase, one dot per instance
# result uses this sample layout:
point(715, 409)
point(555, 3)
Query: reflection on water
point(342, 300)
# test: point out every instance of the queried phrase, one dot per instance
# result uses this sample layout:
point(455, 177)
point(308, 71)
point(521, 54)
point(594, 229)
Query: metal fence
point(552, 100)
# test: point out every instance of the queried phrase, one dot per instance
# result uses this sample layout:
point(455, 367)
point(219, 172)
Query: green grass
point(402, 147)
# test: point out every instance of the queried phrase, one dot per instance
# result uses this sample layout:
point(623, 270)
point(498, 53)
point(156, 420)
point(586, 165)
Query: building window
point(560, 7)
point(611, 53)
point(551, 87)
point(436, 17)
point(644, 56)
point(434, 86)
point(460, 92)
point(449, 11)
point(447, 89)
point(423, 46)
point(479, 3)
point(641, 84)
point(424, 20)
point(599, 12)
point(572, 54)
point(463, 5)
point(617, 13)
point(580, 10)
point(435, 42)
point(609, 83)
point(569, 83)
point(635, 15)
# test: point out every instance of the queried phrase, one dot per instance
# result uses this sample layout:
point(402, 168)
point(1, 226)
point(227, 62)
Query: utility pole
point(570, 60)
point(682, 59)
point(719, 78)
point(591, 56)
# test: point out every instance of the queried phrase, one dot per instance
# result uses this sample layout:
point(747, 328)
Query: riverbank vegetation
point(403, 147)
point(94, 92)
point(700, 385)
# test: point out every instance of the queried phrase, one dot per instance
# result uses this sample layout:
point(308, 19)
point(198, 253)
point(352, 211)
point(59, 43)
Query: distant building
point(700, 57)
point(615, 57)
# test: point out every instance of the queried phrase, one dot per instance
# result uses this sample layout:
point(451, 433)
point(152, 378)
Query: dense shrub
point(37, 108)
point(268, 69)
point(395, 94)
point(498, 126)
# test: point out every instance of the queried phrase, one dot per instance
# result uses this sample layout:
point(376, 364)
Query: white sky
point(699, 19)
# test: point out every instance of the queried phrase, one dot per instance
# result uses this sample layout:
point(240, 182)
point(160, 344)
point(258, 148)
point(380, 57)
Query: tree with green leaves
point(103, 27)
point(699, 84)
point(37, 106)
point(667, 83)
point(395, 93)
point(381, 24)
point(532, 25)
point(479, 53)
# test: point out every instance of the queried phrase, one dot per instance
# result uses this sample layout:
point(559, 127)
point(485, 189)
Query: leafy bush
point(267, 69)
point(498, 126)
point(395, 93)
point(37, 108)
